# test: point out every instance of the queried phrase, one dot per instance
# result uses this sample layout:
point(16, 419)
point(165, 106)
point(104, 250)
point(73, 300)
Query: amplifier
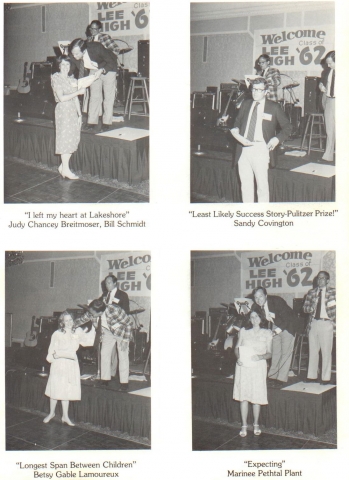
point(311, 95)
point(228, 86)
point(204, 100)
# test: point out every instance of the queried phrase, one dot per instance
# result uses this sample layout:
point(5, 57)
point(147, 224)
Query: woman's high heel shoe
point(48, 418)
point(68, 422)
point(70, 176)
point(256, 430)
point(243, 431)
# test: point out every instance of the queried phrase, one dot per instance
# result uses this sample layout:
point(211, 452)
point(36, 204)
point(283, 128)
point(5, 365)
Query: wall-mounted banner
point(279, 271)
point(121, 18)
point(133, 271)
point(293, 48)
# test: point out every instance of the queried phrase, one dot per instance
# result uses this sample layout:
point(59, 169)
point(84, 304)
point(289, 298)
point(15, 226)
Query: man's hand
point(240, 138)
point(99, 72)
point(123, 345)
point(80, 121)
point(273, 142)
point(239, 362)
point(255, 358)
point(322, 88)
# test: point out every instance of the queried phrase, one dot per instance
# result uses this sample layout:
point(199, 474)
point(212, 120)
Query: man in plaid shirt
point(116, 328)
point(320, 303)
point(272, 76)
point(95, 29)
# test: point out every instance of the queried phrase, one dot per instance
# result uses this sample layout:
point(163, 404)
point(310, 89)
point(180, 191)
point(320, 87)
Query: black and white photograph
point(263, 345)
point(262, 102)
point(76, 102)
point(77, 350)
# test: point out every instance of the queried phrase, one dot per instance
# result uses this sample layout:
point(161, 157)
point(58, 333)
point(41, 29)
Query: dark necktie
point(252, 126)
point(108, 298)
point(81, 69)
point(265, 316)
point(332, 84)
point(318, 305)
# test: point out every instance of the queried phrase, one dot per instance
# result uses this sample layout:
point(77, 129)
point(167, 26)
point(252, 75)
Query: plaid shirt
point(273, 78)
point(311, 301)
point(119, 323)
point(107, 42)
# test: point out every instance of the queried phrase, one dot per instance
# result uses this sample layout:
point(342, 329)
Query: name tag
point(267, 116)
point(331, 303)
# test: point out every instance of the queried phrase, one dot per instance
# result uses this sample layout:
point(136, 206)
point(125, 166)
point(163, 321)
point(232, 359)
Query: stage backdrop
point(297, 49)
point(279, 272)
point(133, 271)
point(121, 18)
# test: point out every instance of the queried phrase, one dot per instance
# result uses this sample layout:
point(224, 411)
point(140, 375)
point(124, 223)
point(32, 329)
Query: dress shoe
point(325, 382)
point(104, 383)
point(256, 430)
point(243, 431)
point(48, 418)
point(311, 380)
point(90, 128)
point(123, 387)
point(69, 175)
point(68, 422)
point(106, 128)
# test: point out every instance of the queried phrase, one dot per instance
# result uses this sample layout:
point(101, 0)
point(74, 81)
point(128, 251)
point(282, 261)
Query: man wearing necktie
point(284, 324)
point(320, 303)
point(328, 88)
point(255, 130)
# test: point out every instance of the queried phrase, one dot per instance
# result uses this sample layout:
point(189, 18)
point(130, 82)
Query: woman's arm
point(236, 349)
point(66, 97)
point(266, 355)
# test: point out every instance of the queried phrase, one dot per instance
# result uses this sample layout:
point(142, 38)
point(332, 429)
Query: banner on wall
point(293, 48)
point(132, 270)
point(279, 271)
point(121, 18)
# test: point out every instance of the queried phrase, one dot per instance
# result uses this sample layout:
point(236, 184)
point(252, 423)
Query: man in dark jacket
point(92, 56)
point(284, 324)
point(255, 130)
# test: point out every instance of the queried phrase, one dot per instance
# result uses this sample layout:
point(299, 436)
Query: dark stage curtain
point(125, 161)
point(217, 177)
point(101, 407)
point(290, 411)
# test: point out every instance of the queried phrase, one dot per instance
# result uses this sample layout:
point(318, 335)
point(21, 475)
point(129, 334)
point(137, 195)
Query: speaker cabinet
point(311, 95)
point(143, 58)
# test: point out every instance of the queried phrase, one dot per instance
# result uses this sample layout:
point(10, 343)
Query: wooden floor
point(212, 436)
point(29, 184)
point(26, 431)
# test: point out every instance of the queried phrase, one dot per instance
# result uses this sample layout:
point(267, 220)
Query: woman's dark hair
point(113, 277)
point(62, 58)
point(331, 54)
point(61, 320)
point(78, 42)
point(256, 309)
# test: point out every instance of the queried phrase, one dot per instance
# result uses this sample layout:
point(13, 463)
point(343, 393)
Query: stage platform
point(212, 397)
point(103, 407)
point(213, 174)
point(33, 139)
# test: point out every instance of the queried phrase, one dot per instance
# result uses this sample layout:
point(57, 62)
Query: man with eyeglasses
point(255, 130)
point(271, 74)
point(320, 304)
point(96, 35)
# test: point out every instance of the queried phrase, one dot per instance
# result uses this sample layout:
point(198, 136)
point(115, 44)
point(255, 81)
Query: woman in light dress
point(250, 384)
point(68, 118)
point(64, 380)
